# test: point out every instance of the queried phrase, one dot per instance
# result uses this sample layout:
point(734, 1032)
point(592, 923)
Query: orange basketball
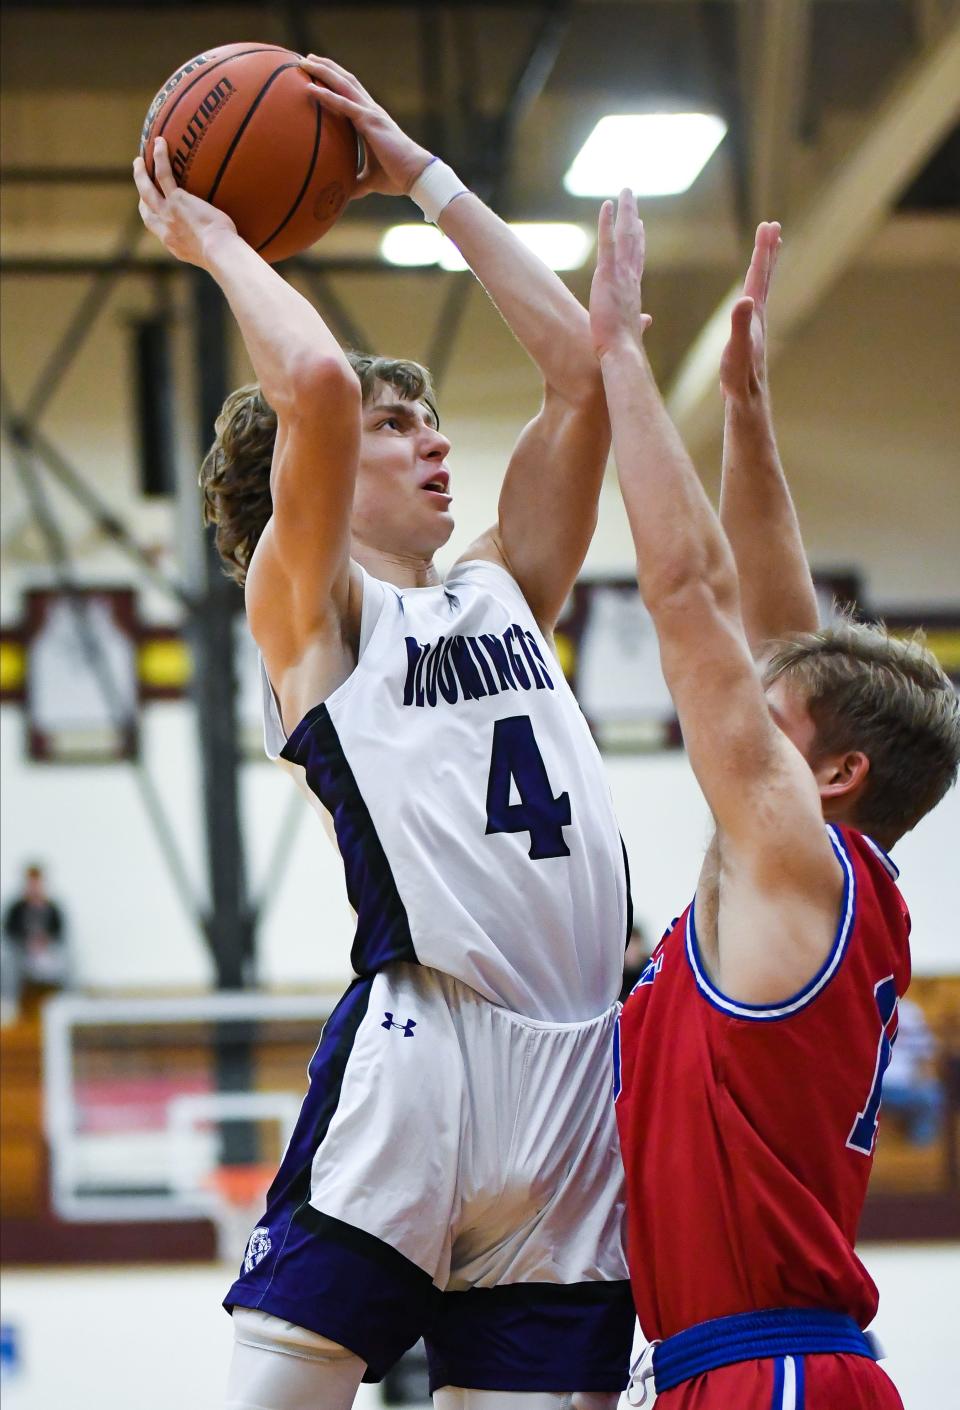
point(245, 133)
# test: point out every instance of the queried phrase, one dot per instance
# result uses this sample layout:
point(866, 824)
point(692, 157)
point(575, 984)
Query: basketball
point(245, 133)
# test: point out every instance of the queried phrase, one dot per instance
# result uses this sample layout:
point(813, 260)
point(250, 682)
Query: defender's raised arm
point(762, 793)
point(751, 1055)
point(756, 510)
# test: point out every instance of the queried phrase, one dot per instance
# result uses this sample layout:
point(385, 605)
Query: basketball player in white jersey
point(455, 1173)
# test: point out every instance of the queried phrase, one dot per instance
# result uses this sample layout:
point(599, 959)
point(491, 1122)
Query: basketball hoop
point(238, 1194)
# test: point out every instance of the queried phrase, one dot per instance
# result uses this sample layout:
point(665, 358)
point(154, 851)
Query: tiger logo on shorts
point(258, 1246)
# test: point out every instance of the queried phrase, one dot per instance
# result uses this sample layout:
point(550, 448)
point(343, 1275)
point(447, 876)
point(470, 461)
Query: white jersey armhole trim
point(887, 862)
point(371, 610)
point(806, 995)
point(470, 567)
point(273, 736)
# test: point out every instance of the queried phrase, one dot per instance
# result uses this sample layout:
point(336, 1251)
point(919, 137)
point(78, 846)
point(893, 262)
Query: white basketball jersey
point(469, 800)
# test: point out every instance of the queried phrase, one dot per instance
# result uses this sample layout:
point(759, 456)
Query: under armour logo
point(405, 1028)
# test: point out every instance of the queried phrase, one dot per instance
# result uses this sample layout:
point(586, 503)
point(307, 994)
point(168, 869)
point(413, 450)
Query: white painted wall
point(129, 930)
point(151, 1338)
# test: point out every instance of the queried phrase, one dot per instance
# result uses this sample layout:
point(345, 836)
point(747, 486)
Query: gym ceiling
point(841, 114)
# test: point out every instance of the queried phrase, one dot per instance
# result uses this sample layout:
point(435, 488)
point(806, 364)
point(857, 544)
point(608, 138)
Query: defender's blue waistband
point(751, 1336)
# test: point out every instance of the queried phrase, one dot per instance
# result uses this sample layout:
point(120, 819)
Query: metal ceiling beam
point(345, 328)
point(491, 180)
point(722, 37)
point(332, 8)
point(329, 10)
point(158, 267)
point(65, 176)
point(65, 577)
point(908, 239)
point(110, 524)
point(908, 124)
point(73, 340)
point(774, 59)
point(296, 20)
point(230, 924)
point(931, 16)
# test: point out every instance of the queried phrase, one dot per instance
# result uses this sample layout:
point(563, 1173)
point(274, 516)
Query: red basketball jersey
point(748, 1131)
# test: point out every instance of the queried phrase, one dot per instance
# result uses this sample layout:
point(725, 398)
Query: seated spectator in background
point(634, 960)
point(34, 931)
point(9, 983)
point(911, 1089)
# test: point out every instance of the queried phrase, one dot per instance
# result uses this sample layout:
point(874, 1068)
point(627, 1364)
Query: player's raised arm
point(309, 384)
point(548, 504)
point(760, 789)
point(756, 510)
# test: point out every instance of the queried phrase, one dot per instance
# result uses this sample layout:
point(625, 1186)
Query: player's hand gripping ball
point(245, 133)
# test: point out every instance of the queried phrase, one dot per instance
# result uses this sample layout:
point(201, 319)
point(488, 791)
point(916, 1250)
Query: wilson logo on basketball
point(196, 127)
point(166, 90)
point(278, 165)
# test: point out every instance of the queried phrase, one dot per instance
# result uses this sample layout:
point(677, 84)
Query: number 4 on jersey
point(516, 756)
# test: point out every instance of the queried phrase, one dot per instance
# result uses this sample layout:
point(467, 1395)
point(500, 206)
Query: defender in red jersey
point(760, 1122)
point(751, 1052)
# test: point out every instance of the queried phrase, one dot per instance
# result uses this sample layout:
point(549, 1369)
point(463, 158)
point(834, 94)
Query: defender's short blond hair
point(886, 697)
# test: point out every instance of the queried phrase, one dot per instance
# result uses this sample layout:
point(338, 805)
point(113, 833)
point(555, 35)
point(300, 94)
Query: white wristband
point(434, 189)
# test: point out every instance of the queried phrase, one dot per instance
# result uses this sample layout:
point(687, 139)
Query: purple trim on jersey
point(533, 1336)
point(626, 879)
point(771, 1012)
point(344, 1284)
point(290, 1190)
point(383, 930)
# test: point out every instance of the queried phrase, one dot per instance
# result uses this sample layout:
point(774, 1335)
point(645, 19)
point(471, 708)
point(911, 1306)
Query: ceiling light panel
point(412, 245)
point(656, 154)
point(559, 245)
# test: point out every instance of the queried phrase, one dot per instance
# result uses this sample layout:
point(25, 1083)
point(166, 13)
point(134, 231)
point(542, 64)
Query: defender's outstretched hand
point(743, 364)
point(183, 223)
point(393, 160)
point(616, 316)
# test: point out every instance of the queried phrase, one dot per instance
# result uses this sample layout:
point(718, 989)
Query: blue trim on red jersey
point(779, 1369)
point(383, 929)
point(885, 860)
point(773, 1012)
point(788, 1384)
point(800, 1393)
point(756, 1336)
point(617, 1060)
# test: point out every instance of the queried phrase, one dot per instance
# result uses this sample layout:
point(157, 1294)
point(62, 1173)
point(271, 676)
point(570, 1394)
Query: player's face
point(402, 499)
point(839, 776)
